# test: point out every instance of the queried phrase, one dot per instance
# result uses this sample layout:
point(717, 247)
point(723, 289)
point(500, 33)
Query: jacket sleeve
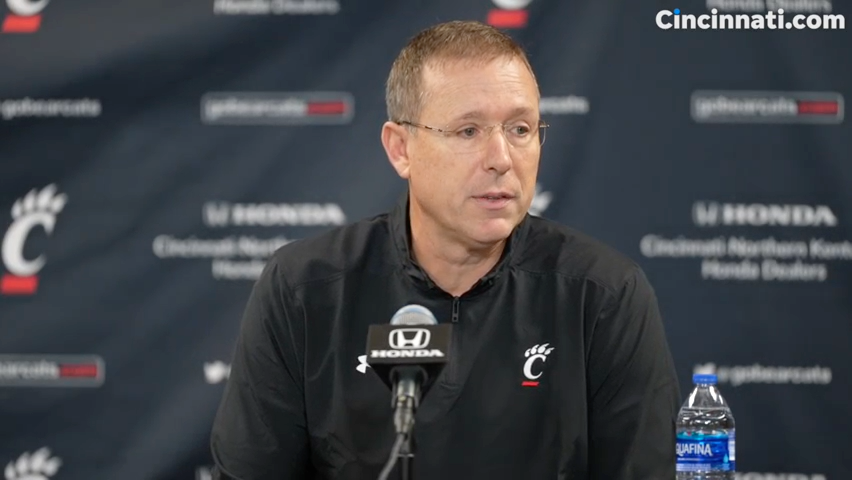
point(260, 429)
point(633, 391)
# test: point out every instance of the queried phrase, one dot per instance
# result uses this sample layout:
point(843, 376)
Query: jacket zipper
point(453, 373)
point(455, 309)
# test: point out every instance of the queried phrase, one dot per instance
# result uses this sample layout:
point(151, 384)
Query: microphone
point(407, 379)
point(408, 354)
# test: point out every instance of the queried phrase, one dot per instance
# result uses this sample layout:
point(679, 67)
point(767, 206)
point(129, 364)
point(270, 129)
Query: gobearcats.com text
point(668, 19)
point(11, 109)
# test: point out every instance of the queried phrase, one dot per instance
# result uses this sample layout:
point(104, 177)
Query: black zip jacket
point(560, 368)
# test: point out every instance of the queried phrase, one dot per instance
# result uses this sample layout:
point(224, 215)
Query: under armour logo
point(362, 367)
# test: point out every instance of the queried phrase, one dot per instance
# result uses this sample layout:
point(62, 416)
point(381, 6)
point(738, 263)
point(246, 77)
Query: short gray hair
point(450, 41)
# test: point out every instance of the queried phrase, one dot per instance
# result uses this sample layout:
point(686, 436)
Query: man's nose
point(498, 156)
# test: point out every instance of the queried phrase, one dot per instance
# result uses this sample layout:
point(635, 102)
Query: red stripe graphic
point(15, 285)
point(82, 370)
point(326, 108)
point(18, 24)
point(507, 18)
point(818, 107)
point(529, 384)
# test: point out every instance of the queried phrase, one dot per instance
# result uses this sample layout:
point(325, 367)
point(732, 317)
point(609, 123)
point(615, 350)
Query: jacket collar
point(400, 228)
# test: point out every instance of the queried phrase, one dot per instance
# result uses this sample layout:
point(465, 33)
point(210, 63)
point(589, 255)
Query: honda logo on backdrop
point(409, 338)
point(712, 214)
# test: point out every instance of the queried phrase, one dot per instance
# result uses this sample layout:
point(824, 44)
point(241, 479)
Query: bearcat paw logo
point(534, 354)
point(539, 350)
point(38, 466)
point(44, 202)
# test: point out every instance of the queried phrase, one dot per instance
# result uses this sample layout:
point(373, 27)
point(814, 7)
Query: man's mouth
point(496, 196)
point(494, 200)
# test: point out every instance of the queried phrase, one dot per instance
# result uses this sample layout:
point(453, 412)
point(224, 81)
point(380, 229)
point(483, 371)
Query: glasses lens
point(472, 142)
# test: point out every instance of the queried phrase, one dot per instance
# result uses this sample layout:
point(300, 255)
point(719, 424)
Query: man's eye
point(468, 132)
point(521, 130)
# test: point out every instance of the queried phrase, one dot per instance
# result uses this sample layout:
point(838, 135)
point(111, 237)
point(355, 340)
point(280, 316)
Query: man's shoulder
point(562, 250)
point(332, 253)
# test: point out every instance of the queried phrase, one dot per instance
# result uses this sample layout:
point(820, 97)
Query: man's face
point(476, 185)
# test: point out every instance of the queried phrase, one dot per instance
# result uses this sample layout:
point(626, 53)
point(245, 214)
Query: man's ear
point(395, 139)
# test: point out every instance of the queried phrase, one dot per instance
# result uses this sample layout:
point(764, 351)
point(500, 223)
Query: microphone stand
point(406, 399)
point(406, 455)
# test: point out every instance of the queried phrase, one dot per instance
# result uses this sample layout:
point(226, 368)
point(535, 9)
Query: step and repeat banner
point(153, 154)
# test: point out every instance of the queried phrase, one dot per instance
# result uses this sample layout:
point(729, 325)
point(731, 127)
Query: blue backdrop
point(154, 153)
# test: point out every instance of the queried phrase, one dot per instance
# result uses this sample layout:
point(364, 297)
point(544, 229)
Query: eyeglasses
point(472, 137)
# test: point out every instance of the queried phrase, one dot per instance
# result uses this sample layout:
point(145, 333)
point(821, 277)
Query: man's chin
point(494, 230)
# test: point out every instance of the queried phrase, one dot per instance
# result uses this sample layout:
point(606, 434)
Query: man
point(559, 368)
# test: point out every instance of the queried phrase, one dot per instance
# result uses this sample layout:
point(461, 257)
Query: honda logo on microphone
point(409, 338)
point(407, 344)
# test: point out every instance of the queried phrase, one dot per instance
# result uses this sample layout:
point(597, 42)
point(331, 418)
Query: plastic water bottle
point(706, 441)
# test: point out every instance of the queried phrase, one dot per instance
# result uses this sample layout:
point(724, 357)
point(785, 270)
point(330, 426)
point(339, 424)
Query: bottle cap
point(705, 379)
